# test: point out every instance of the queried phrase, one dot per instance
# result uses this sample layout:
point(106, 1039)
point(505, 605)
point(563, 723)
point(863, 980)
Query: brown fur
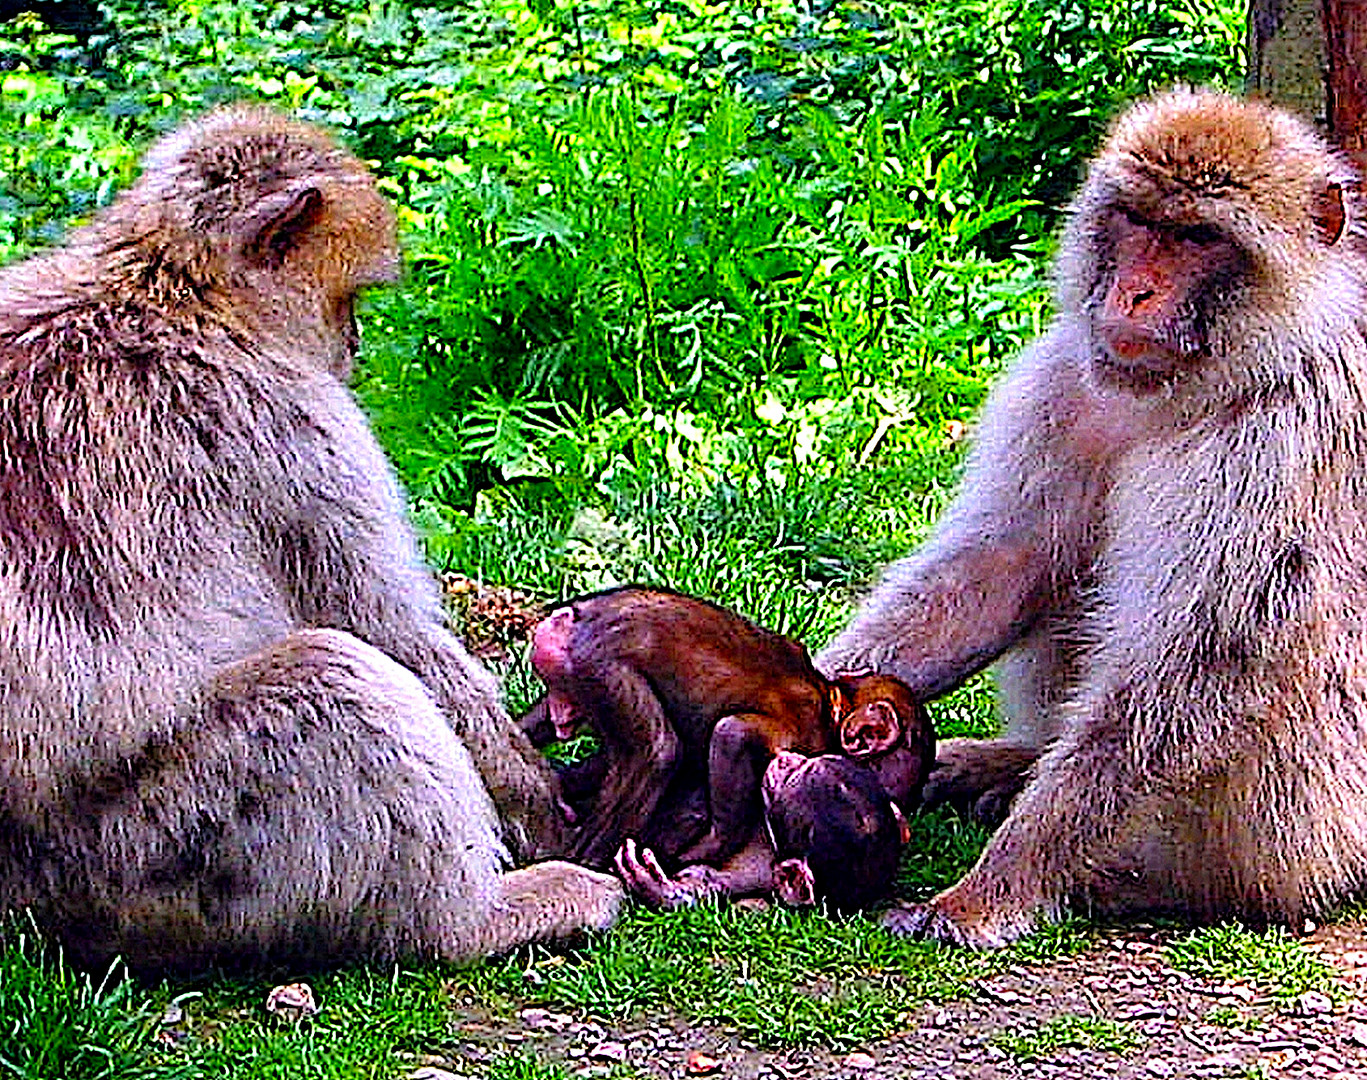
point(691, 702)
point(1171, 566)
point(233, 726)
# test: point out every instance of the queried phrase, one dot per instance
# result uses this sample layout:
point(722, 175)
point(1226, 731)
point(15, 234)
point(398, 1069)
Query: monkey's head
point(882, 726)
point(1205, 221)
point(836, 834)
point(246, 200)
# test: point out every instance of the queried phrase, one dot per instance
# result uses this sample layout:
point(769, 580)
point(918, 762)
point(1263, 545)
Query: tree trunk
point(1287, 58)
point(1345, 24)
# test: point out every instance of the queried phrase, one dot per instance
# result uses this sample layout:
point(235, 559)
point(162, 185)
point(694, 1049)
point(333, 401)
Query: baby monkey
point(692, 704)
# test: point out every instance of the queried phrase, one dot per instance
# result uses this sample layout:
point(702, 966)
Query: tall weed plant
point(685, 238)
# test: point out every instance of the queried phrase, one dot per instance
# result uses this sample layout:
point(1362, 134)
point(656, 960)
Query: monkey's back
point(703, 660)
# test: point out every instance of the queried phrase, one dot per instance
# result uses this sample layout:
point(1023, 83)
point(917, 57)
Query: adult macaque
point(1163, 533)
point(831, 834)
point(688, 699)
point(234, 729)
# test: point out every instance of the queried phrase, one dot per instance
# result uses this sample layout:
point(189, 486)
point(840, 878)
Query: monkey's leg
point(979, 777)
point(517, 776)
point(550, 901)
point(1064, 829)
point(315, 806)
point(739, 751)
point(644, 753)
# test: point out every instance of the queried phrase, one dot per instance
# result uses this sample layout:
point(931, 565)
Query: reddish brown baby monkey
point(691, 703)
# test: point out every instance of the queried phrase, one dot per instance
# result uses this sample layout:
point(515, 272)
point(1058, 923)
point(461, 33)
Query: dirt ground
point(1179, 1026)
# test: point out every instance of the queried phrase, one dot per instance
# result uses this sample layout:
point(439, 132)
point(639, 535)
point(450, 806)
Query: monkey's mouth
point(1139, 359)
point(1131, 348)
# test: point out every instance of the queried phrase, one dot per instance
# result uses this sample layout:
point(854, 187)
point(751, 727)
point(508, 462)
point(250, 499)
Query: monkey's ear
point(1328, 213)
point(276, 224)
point(794, 883)
point(872, 730)
point(904, 830)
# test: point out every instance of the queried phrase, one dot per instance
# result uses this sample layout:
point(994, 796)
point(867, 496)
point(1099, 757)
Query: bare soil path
point(1116, 1010)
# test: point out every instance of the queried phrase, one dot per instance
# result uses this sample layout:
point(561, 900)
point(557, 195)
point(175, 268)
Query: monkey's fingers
point(646, 878)
point(638, 868)
point(566, 811)
point(906, 920)
point(932, 923)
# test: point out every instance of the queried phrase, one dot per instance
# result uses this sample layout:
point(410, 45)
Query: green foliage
point(1043, 1040)
point(1271, 961)
point(647, 236)
point(56, 1024)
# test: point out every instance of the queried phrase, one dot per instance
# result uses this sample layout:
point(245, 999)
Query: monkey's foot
point(645, 878)
point(551, 901)
point(937, 921)
point(979, 777)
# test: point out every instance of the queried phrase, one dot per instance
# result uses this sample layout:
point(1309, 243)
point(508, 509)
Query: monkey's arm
point(741, 747)
point(1161, 783)
point(1012, 542)
point(348, 559)
point(642, 747)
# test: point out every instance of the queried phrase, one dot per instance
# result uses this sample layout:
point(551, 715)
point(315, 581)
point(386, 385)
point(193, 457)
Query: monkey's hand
point(644, 877)
point(947, 918)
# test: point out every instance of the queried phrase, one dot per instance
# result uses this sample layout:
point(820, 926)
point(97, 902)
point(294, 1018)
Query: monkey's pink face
point(1153, 311)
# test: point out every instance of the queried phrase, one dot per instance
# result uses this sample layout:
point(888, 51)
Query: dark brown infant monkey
point(234, 728)
point(691, 703)
point(1162, 534)
point(830, 834)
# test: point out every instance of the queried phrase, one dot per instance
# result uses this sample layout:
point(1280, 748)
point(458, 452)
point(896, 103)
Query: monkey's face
point(1159, 286)
point(835, 833)
point(350, 247)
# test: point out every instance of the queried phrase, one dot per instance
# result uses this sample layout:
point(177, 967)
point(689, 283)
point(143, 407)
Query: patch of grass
point(367, 1018)
point(524, 1066)
point(56, 1024)
point(780, 977)
point(1272, 961)
point(943, 847)
point(1226, 1016)
point(1052, 941)
point(1040, 1041)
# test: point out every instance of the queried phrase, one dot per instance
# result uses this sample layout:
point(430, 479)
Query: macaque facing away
point(235, 730)
point(1162, 533)
point(691, 703)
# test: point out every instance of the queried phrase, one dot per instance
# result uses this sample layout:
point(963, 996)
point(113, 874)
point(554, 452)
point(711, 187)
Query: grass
point(1039, 1041)
point(776, 977)
point(781, 978)
point(58, 1023)
point(1271, 961)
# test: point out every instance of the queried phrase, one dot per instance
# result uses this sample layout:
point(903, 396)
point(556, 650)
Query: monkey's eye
point(1200, 235)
